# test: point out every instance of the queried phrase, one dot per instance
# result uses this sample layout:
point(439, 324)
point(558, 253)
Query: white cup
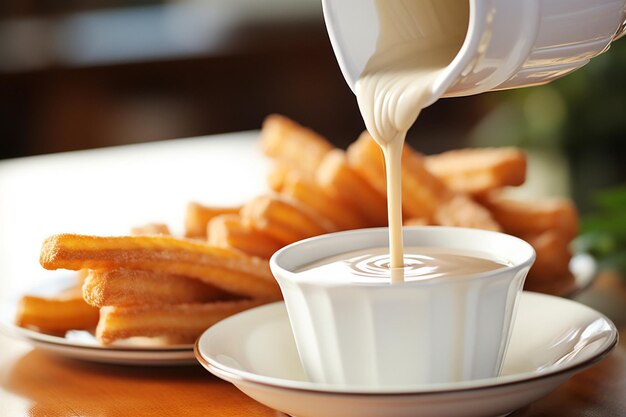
point(417, 332)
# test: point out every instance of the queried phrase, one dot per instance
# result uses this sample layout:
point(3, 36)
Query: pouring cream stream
point(417, 40)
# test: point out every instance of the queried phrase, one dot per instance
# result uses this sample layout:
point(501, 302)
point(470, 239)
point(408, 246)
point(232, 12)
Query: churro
point(179, 323)
point(550, 273)
point(283, 219)
point(421, 191)
point(229, 231)
point(526, 218)
point(337, 178)
point(461, 211)
point(124, 287)
point(277, 176)
point(197, 218)
point(229, 270)
point(56, 315)
point(478, 170)
point(312, 195)
point(416, 221)
point(292, 144)
point(151, 229)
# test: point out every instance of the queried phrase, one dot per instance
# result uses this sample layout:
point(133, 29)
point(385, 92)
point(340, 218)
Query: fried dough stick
point(56, 315)
point(337, 178)
point(424, 196)
point(550, 273)
point(478, 170)
point(229, 231)
point(549, 226)
point(198, 216)
point(527, 218)
point(151, 229)
point(461, 211)
point(283, 219)
point(310, 194)
point(416, 221)
point(277, 177)
point(125, 287)
point(422, 192)
point(179, 323)
point(292, 144)
point(229, 270)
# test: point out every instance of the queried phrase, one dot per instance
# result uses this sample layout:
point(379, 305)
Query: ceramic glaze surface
point(255, 351)
point(509, 43)
point(380, 334)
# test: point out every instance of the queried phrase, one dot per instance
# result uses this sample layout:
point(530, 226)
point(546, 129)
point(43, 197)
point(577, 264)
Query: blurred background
point(78, 75)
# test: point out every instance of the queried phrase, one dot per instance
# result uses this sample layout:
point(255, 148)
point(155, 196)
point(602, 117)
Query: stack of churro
point(317, 188)
point(155, 284)
point(152, 285)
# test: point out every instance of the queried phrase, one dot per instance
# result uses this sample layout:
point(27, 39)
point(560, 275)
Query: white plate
point(83, 345)
point(552, 339)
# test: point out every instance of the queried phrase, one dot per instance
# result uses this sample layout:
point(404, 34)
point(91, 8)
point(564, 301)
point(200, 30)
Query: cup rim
point(285, 274)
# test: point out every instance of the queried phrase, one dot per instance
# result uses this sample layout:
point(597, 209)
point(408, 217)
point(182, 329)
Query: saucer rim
point(434, 389)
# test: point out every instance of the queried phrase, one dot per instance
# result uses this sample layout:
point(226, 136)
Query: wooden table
point(33, 383)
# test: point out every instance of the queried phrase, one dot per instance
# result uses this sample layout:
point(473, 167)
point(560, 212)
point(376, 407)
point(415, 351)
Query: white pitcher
point(509, 43)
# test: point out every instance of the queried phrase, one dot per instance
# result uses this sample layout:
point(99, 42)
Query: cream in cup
point(363, 330)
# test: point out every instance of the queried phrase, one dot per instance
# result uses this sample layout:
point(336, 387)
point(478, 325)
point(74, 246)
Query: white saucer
point(83, 345)
point(553, 338)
